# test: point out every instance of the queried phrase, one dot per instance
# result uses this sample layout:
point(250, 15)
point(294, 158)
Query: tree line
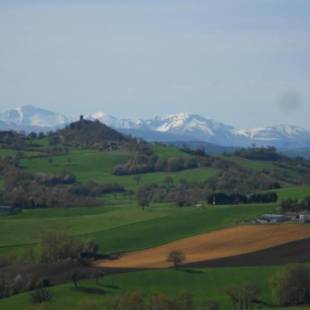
point(145, 164)
point(190, 194)
point(40, 190)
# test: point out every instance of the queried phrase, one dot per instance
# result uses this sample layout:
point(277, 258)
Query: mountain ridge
point(174, 127)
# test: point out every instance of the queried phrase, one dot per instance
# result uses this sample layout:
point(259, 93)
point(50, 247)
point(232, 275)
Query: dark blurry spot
point(290, 102)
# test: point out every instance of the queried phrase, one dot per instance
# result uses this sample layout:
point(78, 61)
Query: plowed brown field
point(218, 244)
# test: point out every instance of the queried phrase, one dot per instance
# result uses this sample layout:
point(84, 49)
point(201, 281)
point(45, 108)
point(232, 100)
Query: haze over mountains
point(178, 127)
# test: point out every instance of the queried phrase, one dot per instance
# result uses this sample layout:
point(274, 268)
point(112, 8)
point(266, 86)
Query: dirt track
point(219, 244)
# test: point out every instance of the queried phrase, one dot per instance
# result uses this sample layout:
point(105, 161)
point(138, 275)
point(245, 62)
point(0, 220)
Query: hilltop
point(91, 134)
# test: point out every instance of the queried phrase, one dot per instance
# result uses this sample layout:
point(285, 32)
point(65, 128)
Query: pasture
point(93, 165)
point(124, 227)
point(204, 284)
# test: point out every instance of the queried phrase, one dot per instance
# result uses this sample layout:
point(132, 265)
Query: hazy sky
point(242, 62)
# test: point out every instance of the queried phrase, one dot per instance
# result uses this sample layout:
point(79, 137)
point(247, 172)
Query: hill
point(90, 134)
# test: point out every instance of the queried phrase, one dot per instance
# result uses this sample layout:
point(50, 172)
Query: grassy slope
point(294, 192)
point(251, 164)
point(126, 227)
point(204, 284)
point(122, 228)
point(98, 166)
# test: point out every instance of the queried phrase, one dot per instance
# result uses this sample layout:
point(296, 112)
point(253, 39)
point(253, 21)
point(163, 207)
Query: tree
point(161, 301)
point(40, 295)
point(137, 178)
point(143, 203)
point(291, 286)
point(97, 275)
point(211, 305)
point(176, 258)
point(56, 247)
point(75, 276)
point(130, 301)
point(243, 296)
point(168, 180)
point(4, 286)
point(90, 249)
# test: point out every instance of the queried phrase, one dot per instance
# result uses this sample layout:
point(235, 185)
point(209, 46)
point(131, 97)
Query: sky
point(244, 63)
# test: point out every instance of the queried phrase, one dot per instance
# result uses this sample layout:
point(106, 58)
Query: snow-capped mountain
point(115, 122)
point(191, 127)
point(32, 118)
point(282, 136)
point(177, 127)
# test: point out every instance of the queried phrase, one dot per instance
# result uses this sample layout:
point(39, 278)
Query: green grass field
point(122, 228)
point(120, 225)
point(98, 166)
point(203, 284)
point(295, 192)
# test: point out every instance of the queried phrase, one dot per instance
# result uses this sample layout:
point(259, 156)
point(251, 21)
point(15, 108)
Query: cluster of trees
point(58, 247)
point(184, 194)
point(260, 153)
point(222, 198)
point(189, 194)
point(53, 249)
point(294, 205)
point(244, 181)
point(40, 190)
point(26, 190)
point(243, 296)
point(62, 178)
point(18, 284)
point(144, 164)
point(291, 286)
point(13, 139)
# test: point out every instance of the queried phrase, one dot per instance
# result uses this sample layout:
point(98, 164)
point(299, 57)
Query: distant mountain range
point(178, 127)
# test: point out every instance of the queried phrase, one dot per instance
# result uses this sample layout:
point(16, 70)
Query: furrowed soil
point(214, 245)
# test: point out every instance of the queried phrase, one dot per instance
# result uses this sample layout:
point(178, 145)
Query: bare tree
point(176, 258)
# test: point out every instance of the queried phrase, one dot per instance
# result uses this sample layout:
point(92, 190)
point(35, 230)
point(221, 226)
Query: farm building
point(273, 218)
point(304, 218)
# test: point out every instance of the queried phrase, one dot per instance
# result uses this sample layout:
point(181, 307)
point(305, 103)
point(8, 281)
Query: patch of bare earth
point(209, 246)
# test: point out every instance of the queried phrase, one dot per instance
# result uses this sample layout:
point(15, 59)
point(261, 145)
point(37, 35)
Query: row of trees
point(260, 153)
point(222, 198)
point(243, 181)
point(53, 249)
point(36, 195)
point(189, 194)
point(144, 164)
point(57, 247)
point(40, 190)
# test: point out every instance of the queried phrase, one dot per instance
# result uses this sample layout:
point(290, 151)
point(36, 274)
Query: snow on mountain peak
point(30, 116)
point(182, 126)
